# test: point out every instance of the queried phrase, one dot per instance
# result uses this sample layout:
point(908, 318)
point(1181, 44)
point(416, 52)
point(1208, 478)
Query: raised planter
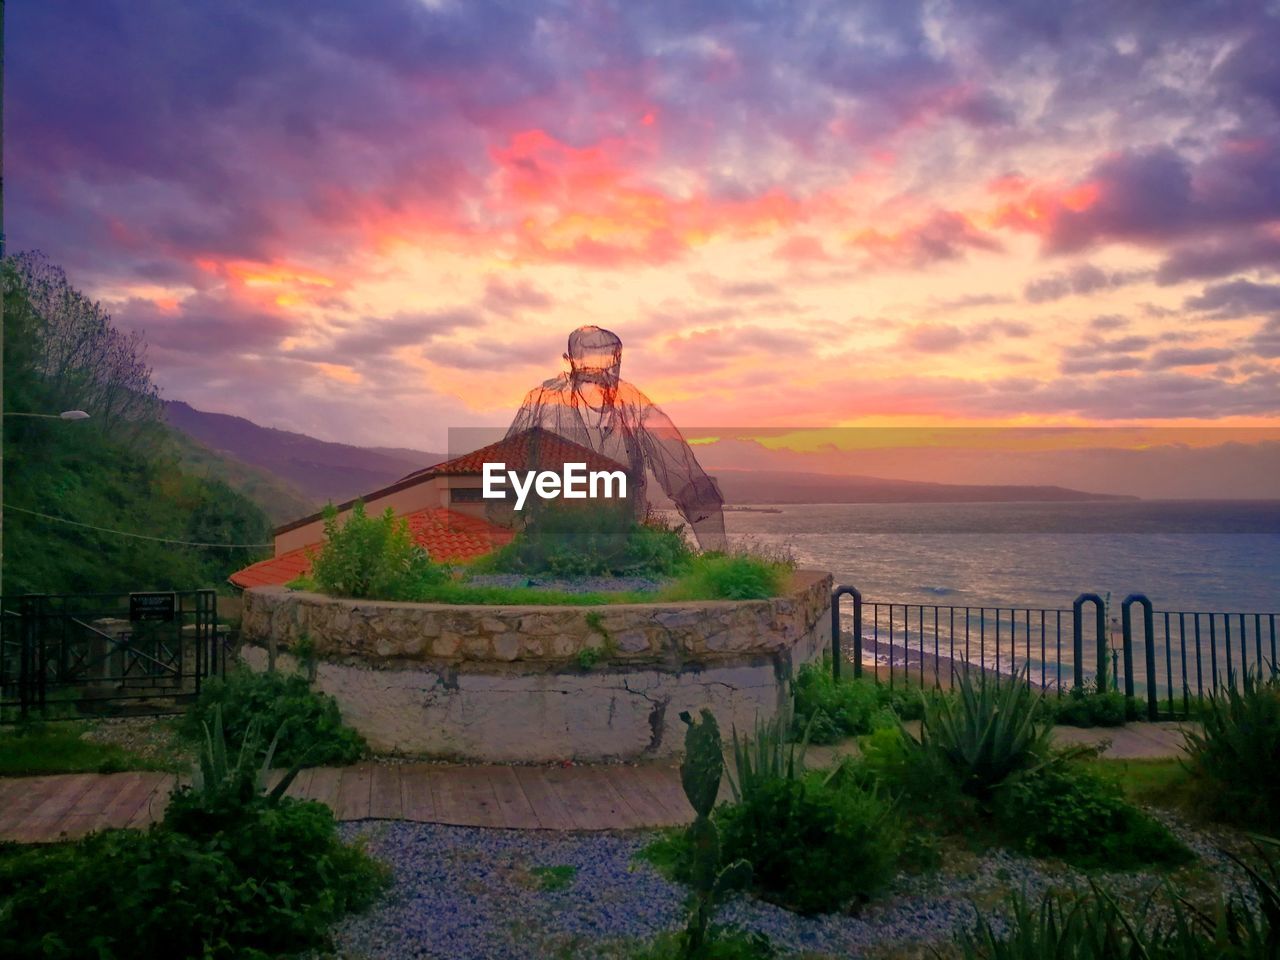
point(541, 682)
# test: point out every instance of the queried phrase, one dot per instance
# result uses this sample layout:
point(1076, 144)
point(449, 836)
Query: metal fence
point(1170, 658)
point(87, 651)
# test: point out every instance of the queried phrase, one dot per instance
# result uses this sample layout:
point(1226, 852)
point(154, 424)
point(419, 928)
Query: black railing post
point(1077, 627)
point(836, 656)
point(1149, 649)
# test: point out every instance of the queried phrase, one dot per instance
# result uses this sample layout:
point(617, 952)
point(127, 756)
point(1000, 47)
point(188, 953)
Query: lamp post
point(64, 415)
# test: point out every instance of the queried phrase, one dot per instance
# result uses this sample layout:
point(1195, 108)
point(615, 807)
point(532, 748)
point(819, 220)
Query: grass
point(45, 748)
point(551, 879)
point(1162, 782)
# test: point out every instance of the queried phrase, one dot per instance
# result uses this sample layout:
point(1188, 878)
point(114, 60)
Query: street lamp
point(64, 415)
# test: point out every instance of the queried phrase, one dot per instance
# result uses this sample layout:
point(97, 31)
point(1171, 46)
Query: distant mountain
point(779, 486)
point(280, 500)
point(318, 469)
point(314, 471)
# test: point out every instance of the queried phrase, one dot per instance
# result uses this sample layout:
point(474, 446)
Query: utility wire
point(140, 536)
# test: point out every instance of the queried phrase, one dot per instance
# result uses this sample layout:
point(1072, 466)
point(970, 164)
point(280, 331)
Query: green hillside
point(121, 470)
point(278, 498)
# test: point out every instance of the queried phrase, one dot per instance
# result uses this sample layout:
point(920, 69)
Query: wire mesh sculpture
point(593, 406)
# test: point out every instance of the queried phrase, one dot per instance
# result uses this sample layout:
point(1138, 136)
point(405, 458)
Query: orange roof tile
point(535, 448)
point(447, 535)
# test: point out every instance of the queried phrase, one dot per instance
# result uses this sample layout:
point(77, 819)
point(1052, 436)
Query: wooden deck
point(613, 797)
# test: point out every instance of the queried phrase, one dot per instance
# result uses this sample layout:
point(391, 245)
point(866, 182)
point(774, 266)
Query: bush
point(738, 576)
point(309, 724)
point(372, 557)
point(230, 873)
point(1243, 926)
point(1234, 757)
point(602, 540)
point(1068, 811)
point(1085, 707)
point(992, 729)
point(814, 846)
point(837, 709)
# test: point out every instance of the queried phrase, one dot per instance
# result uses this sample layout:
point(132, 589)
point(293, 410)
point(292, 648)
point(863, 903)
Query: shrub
point(1087, 707)
point(992, 729)
point(372, 557)
point(923, 783)
point(837, 709)
point(739, 576)
point(1243, 926)
point(230, 873)
point(1068, 811)
point(814, 845)
point(604, 540)
point(309, 724)
point(1234, 757)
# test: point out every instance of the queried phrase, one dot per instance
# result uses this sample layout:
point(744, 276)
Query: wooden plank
point(33, 792)
point(301, 784)
point(513, 805)
point(83, 817)
point(547, 806)
point(663, 785)
point(353, 792)
point(463, 795)
point(153, 806)
point(385, 802)
point(632, 788)
point(135, 789)
point(39, 825)
point(564, 783)
point(416, 800)
point(594, 789)
point(325, 782)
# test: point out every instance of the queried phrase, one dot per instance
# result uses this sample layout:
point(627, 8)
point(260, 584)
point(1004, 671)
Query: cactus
point(700, 773)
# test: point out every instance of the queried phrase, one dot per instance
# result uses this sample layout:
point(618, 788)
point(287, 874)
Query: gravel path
point(471, 893)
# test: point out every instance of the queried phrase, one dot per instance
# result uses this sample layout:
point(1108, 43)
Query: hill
point(318, 469)
point(778, 486)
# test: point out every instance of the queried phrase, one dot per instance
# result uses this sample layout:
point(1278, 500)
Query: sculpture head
point(595, 356)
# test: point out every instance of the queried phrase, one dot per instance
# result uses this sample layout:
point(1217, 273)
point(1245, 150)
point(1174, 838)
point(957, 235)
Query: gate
point(95, 652)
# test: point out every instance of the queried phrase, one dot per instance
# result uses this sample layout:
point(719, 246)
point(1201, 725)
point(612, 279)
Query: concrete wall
point(505, 683)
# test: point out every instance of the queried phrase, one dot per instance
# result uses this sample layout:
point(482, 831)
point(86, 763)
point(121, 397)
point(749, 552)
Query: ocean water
point(1184, 555)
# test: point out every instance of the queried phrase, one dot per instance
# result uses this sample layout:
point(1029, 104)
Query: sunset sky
point(374, 221)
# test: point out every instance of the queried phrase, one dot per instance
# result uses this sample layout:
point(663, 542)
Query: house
point(443, 505)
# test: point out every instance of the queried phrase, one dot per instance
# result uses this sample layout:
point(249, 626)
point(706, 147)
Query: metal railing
point(87, 650)
point(1170, 658)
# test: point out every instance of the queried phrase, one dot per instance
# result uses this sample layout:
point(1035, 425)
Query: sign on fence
point(152, 606)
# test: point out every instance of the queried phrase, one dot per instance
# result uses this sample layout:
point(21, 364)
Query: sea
point(1184, 555)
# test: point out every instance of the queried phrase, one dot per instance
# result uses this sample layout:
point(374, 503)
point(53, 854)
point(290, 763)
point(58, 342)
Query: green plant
point(604, 540)
point(1070, 811)
point(992, 729)
point(233, 871)
point(60, 747)
point(1089, 707)
point(769, 755)
point(308, 722)
point(373, 557)
point(551, 879)
point(814, 844)
point(727, 945)
point(1234, 756)
point(837, 708)
point(739, 576)
point(710, 879)
point(1242, 926)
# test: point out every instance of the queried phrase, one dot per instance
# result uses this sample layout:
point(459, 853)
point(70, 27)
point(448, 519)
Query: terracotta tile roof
point(535, 448)
point(446, 534)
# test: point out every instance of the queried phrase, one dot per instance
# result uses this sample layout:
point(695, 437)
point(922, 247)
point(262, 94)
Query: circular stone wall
point(543, 682)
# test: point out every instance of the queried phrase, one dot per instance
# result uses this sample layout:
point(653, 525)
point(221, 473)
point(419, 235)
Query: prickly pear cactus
point(703, 762)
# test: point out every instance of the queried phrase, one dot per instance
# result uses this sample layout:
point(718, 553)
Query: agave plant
point(770, 755)
point(217, 779)
point(1236, 752)
point(991, 729)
